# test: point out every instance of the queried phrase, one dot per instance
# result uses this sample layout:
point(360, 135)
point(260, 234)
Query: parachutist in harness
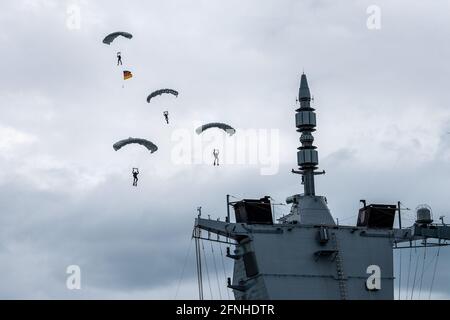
point(135, 176)
point(119, 58)
point(166, 116)
point(216, 156)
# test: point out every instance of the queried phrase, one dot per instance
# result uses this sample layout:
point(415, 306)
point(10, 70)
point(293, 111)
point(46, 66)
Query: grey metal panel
point(288, 268)
point(313, 210)
point(307, 156)
point(305, 118)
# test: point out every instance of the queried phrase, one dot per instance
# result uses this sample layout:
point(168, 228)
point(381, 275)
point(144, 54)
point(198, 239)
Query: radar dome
point(424, 214)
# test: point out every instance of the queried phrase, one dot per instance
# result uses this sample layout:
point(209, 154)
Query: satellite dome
point(424, 214)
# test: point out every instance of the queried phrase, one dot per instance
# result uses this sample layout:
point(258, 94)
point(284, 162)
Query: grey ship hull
point(290, 262)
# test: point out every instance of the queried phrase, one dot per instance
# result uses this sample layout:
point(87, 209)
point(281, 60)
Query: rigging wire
point(347, 218)
point(215, 269)
point(423, 267)
point(434, 272)
point(415, 272)
point(409, 271)
point(431, 262)
point(197, 235)
point(184, 267)
point(223, 266)
point(235, 197)
point(207, 271)
point(400, 276)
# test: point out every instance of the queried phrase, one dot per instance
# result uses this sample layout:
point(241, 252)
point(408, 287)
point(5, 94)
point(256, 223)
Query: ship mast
point(307, 155)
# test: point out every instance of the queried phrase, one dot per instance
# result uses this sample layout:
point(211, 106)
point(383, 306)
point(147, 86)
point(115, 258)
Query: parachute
point(228, 129)
point(160, 92)
point(148, 144)
point(111, 37)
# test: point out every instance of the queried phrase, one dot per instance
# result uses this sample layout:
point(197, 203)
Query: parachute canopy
point(148, 144)
point(228, 129)
point(160, 92)
point(112, 36)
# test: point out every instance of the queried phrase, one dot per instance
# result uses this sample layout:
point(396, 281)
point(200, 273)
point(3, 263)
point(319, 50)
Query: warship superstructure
point(306, 254)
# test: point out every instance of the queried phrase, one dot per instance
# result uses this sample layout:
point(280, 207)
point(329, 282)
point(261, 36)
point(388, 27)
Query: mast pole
point(307, 155)
point(228, 208)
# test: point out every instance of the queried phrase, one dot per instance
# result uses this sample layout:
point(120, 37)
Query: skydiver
point(216, 156)
point(119, 58)
point(166, 116)
point(135, 173)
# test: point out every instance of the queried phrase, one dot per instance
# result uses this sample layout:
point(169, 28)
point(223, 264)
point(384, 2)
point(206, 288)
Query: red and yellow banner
point(127, 75)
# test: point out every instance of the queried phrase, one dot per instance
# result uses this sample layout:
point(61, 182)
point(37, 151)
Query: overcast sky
point(66, 198)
